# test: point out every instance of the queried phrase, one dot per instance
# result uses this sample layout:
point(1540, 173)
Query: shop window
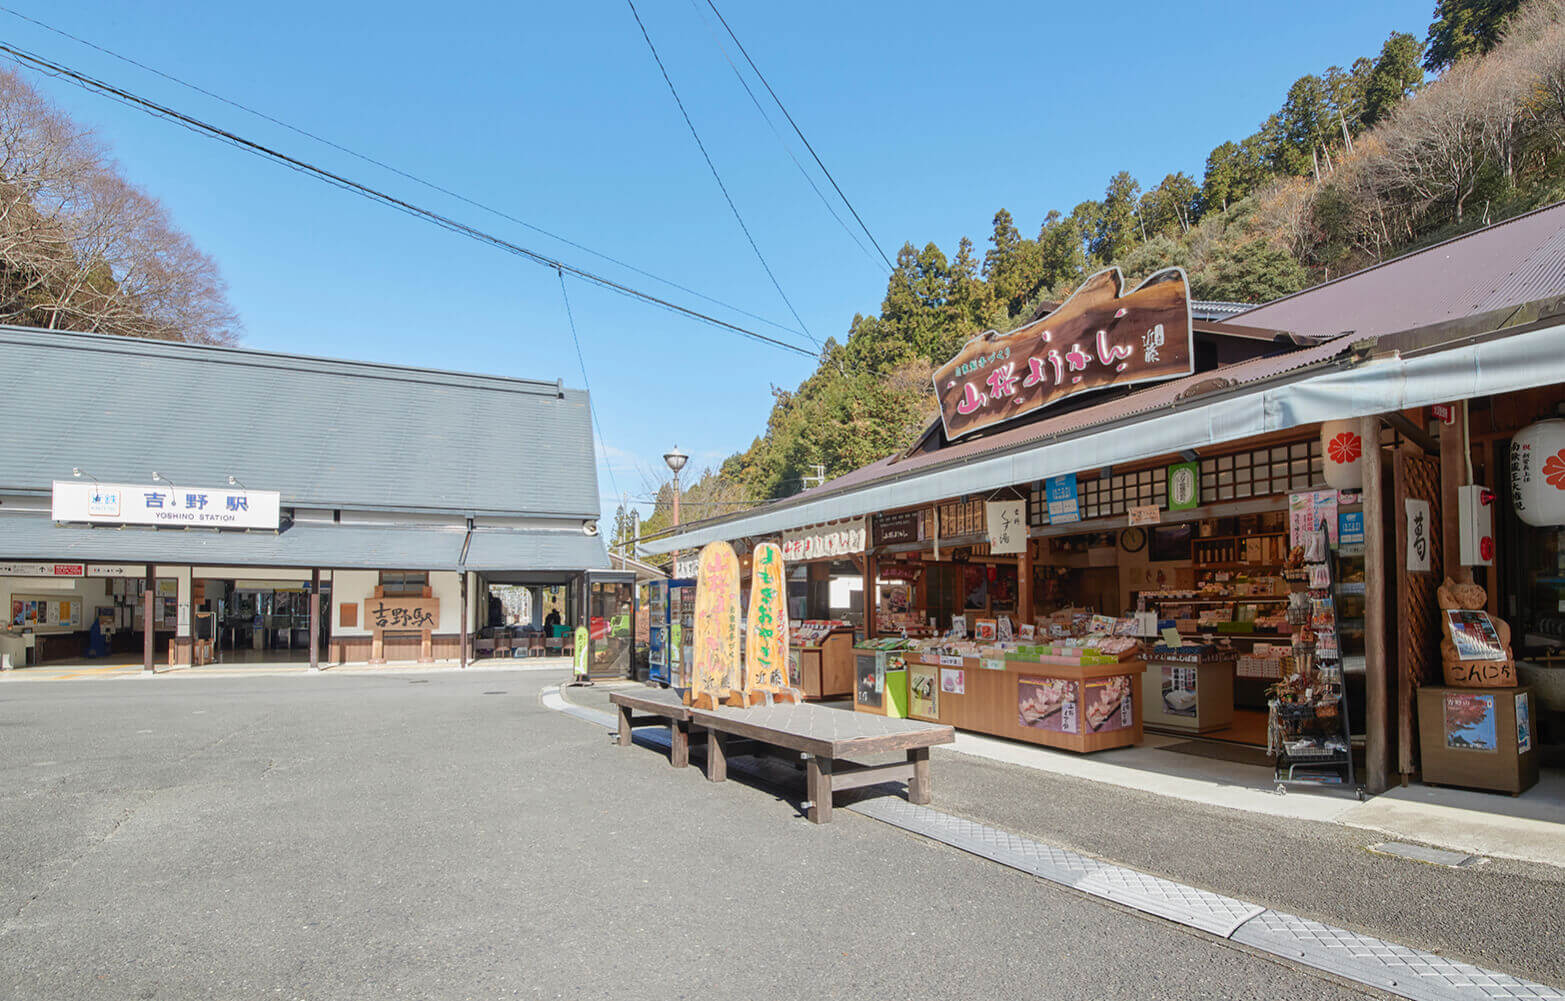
point(396, 582)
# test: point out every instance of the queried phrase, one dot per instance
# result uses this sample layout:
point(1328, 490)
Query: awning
point(1479, 367)
point(346, 547)
point(535, 550)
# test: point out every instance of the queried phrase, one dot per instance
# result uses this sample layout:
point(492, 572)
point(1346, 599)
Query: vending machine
point(681, 631)
point(657, 631)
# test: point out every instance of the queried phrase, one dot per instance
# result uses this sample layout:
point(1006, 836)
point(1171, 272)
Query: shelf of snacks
point(1075, 692)
point(820, 658)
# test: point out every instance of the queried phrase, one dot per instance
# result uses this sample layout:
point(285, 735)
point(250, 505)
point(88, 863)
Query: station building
point(165, 501)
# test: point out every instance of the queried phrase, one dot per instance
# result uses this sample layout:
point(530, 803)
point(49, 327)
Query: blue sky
point(931, 116)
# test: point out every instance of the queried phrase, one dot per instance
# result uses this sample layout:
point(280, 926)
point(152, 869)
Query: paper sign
point(1417, 535)
point(1171, 637)
point(1350, 527)
point(1007, 526)
point(1061, 494)
point(1146, 514)
point(992, 664)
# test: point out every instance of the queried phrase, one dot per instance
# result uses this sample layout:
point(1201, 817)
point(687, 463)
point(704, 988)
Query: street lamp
point(676, 461)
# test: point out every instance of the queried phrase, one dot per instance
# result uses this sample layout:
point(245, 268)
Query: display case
point(1188, 688)
point(820, 658)
point(1479, 738)
point(880, 677)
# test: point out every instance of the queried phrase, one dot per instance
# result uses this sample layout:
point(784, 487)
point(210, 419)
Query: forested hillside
point(1357, 165)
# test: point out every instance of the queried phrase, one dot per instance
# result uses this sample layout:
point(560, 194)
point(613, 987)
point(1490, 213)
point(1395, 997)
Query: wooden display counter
point(1195, 697)
point(1074, 707)
point(822, 667)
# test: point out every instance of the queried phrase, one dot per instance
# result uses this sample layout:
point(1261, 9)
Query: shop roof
point(322, 432)
point(1344, 377)
point(1516, 261)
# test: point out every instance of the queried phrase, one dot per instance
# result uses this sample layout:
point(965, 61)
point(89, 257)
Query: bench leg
point(679, 743)
point(818, 786)
point(716, 757)
point(918, 790)
point(624, 726)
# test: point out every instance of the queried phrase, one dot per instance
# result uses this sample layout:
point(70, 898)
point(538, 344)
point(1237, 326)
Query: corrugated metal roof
point(342, 547)
point(1511, 262)
point(325, 433)
point(1212, 309)
point(499, 549)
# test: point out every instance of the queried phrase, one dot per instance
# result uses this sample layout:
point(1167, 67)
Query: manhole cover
point(1420, 853)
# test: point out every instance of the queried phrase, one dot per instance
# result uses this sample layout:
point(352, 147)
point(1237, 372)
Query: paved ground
point(445, 836)
point(1493, 915)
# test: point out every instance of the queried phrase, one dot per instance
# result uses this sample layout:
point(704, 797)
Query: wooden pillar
point(1024, 585)
point(871, 573)
point(462, 638)
point(315, 618)
point(817, 780)
point(817, 601)
point(919, 789)
point(149, 629)
point(1378, 701)
point(1453, 473)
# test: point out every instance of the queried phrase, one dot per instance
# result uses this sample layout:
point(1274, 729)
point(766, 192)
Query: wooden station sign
point(1101, 336)
point(401, 614)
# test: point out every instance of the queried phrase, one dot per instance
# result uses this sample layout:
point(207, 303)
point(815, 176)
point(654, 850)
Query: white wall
point(351, 587)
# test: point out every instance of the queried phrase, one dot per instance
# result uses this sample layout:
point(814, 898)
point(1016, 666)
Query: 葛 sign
point(1417, 534)
point(160, 504)
point(842, 538)
point(1007, 526)
point(1099, 337)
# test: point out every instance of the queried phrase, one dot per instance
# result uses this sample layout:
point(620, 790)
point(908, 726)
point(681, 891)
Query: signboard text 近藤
point(1101, 336)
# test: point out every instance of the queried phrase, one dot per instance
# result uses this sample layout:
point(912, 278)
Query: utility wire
point(713, 168)
point(445, 222)
point(395, 170)
point(852, 234)
point(800, 133)
point(603, 443)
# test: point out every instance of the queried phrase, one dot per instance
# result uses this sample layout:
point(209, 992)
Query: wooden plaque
point(1098, 337)
point(401, 614)
point(714, 671)
point(766, 642)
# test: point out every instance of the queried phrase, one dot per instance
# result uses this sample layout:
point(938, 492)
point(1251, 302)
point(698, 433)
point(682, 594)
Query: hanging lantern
point(1538, 473)
point(1342, 454)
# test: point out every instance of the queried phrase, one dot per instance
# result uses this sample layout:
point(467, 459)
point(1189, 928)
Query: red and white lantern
point(1342, 454)
point(1538, 473)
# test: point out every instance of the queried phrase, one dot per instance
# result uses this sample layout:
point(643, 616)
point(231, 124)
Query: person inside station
point(551, 620)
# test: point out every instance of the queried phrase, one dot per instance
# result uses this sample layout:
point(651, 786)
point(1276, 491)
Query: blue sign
point(1060, 491)
point(1350, 527)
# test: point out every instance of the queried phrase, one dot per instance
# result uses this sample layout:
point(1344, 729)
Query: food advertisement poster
point(1523, 724)
point(1179, 690)
point(1306, 511)
point(1469, 722)
point(1047, 704)
point(923, 693)
point(1106, 702)
point(953, 681)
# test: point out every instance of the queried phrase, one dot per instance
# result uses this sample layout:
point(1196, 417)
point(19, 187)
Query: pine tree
point(1397, 74)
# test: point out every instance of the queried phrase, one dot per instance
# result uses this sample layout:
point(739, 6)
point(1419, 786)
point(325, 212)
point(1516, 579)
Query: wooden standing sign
point(1100, 336)
point(766, 641)
point(714, 670)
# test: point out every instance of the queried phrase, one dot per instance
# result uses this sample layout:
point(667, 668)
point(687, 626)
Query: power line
point(800, 133)
point(713, 168)
point(603, 443)
point(337, 180)
point(852, 234)
point(395, 170)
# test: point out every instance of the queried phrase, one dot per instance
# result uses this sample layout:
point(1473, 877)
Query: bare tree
point(1435, 148)
point(83, 249)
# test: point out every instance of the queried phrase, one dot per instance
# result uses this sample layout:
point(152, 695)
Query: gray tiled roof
point(326, 434)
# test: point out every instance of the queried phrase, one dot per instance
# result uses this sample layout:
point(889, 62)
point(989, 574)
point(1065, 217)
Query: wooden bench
point(656, 706)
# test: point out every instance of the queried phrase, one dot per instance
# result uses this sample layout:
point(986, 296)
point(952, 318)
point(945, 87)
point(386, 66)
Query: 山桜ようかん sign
point(841, 538)
point(1101, 336)
point(161, 504)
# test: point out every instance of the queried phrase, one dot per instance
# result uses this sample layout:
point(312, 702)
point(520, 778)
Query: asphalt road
point(448, 837)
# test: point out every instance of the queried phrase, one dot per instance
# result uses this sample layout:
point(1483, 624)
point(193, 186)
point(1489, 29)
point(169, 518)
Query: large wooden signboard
point(766, 641)
point(1100, 336)
point(403, 613)
point(714, 669)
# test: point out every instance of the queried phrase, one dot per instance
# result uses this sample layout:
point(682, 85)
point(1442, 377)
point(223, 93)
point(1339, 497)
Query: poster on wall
point(1047, 704)
point(1179, 690)
point(1107, 703)
point(1060, 494)
point(1523, 723)
point(923, 692)
point(953, 681)
point(1350, 528)
point(1307, 510)
point(1469, 722)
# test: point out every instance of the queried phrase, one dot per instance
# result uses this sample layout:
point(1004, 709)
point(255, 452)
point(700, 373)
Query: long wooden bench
point(829, 737)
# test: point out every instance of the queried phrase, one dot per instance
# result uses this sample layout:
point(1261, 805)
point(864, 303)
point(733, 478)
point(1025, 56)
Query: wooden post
point(624, 726)
point(716, 757)
point(1024, 585)
point(818, 786)
point(871, 572)
point(315, 618)
point(1453, 473)
point(148, 639)
point(918, 788)
point(462, 638)
point(1377, 682)
point(679, 743)
point(817, 599)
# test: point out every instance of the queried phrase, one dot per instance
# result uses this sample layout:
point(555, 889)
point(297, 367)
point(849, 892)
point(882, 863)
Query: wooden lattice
point(1418, 617)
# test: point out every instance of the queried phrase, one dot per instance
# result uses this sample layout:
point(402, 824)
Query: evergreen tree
point(1464, 28)
point(1306, 124)
point(1116, 228)
point(1396, 74)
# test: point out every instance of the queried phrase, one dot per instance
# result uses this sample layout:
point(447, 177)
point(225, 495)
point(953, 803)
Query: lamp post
point(676, 461)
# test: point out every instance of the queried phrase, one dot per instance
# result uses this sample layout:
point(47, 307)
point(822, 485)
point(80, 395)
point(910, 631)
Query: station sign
point(163, 505)
point(1101, 336)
